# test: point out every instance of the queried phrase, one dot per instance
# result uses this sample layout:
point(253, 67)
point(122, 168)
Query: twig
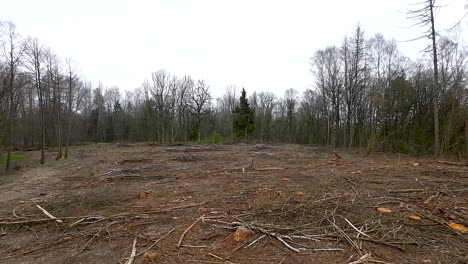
point(407, 190)
point(132, 255)
point(286, 244)
point(49, 215)
point(155, 242)
point(431, 198)
point(337, 156)
point(355, 246)
point(269, 169)
point(451, 163)
point(188, 229)
point(331, 198)
point(361, 259)
point(94, 236)
point(214, 256)
point(255, 241)
point(360, 232)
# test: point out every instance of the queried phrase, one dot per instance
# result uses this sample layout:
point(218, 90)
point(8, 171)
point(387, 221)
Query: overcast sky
point(263, 45)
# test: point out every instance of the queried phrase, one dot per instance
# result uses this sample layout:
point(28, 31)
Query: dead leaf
point(384, 210)
point(414, 217)
point(458, 227)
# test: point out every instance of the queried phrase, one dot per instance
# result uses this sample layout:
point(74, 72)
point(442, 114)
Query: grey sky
point(263, 45)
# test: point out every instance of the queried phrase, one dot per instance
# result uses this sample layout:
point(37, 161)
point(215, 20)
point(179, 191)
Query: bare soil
point(300, 204)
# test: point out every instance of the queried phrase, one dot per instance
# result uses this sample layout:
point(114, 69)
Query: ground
point(187, 203)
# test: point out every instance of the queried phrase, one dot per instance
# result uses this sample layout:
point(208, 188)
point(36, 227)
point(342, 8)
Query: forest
point(366, 95)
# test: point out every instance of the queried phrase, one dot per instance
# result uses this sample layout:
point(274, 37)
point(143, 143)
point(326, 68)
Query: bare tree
point(160, 92)
point(12, 50)
point(425, 18)
point(35, 54)
point(326, 66)
point(71, 81)
point(53, 81)
point(199, 104)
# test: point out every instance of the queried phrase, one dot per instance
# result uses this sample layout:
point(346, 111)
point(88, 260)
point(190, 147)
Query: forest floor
point(233, 204)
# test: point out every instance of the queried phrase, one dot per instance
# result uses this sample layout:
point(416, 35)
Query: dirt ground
point(233, 204)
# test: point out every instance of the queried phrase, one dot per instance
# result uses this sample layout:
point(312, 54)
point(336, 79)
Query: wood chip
point(384, 210)
point(458, 227)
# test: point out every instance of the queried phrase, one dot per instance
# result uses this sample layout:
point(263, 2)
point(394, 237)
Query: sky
point(262, 45)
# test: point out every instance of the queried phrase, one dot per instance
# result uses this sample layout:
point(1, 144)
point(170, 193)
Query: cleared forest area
point(220, 203)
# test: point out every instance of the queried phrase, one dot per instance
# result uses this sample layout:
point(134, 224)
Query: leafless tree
point(425, 17)
point(199, 104)
point(13, 47)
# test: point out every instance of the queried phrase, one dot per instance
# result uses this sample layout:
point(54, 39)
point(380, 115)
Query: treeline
point(366, 94)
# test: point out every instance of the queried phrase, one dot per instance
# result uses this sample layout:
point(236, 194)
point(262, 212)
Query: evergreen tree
point(244, 118)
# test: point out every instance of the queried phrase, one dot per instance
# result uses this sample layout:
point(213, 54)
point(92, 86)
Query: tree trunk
point(43, 135)
point(70, 103)
point(10, 124)
point(466, 138)
point(436, 85)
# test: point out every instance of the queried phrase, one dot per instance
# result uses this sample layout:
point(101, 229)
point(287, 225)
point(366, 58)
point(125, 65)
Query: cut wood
point(49, 215)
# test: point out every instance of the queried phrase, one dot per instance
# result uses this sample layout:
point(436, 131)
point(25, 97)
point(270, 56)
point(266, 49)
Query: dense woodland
point(367, 94)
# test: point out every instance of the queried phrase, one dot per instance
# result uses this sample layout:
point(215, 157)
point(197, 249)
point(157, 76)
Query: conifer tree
point(244, 118)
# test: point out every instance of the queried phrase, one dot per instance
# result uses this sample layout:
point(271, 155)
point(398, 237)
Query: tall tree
point(244, 117)
point(425, 17)
point(35, 65)
point(12, 50)
point(199, 104)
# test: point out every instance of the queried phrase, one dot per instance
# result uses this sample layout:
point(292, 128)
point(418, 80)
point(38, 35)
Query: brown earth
point(297, 204)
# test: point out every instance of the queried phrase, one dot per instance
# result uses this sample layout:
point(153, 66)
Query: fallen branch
point(255, 241)
point(362, 259)
point(407, 190)
point(94, 236)
point(155, 242)
point(432, 197)
point(49, 215)
point(188, 229)
point(286, 244)
point(132, 255)
point(337, 157)
point(331, 198)
point(360, 232)
point(269, 169)
point(451, 163)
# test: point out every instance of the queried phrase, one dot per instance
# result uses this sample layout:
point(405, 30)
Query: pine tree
point(244, 118)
